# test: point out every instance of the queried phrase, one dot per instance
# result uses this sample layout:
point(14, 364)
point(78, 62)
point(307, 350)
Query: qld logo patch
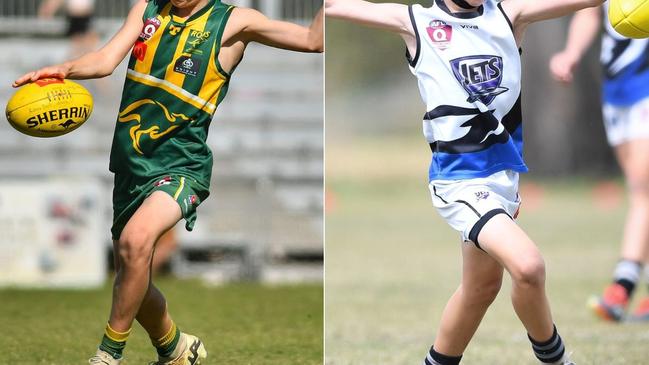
point(151, 25)
point(480, 76)
point(440, 33)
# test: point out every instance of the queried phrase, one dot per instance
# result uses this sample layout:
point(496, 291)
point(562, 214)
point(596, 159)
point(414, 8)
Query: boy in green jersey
point(183, 52)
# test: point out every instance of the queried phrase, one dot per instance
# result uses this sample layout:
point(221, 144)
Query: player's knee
point(485, 293)
point(135, 248)
point(529, 273)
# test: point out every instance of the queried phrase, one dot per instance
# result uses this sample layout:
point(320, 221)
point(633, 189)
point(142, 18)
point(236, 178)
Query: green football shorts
point(129, 194)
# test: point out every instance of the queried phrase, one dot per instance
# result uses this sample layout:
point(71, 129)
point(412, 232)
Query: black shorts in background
point(78, 25)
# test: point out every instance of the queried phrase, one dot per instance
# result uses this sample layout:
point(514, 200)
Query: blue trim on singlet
point(498, 157)
point(629, 86)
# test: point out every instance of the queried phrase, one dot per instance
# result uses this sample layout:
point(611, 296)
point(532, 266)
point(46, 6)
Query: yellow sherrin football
point(49, 107)
point(630, 18)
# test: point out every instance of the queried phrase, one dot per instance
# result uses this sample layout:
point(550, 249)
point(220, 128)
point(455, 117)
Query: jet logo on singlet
point(480, 76)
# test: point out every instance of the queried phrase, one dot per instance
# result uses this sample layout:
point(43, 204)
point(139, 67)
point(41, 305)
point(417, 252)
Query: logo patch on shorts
point(164, 181)
point(190, 201)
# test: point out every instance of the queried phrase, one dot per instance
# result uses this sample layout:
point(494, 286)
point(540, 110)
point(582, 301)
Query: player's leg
point(153, 314)
point(507, 243)
point(134, 251)
point(481, 281)
point(156, 215)
point(173, 346)
point(633, 157)
point(156, 320)
point(627, 131)
point(164, 249)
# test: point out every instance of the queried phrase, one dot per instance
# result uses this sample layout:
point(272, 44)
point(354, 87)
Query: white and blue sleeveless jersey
point(469, 72)
point(625, 64)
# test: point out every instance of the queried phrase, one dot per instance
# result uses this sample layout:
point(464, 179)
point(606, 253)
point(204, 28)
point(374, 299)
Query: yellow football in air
point(630, 18)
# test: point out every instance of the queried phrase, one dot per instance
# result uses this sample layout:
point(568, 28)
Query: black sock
point(435, 358)
point(628, 285)
point(548, 351)
point(627, 273)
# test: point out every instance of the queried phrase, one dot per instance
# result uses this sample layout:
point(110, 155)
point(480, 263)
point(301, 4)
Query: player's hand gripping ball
point(49, 107)
point(630, 18)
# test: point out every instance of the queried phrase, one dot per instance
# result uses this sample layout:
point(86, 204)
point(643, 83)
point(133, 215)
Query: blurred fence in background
point(19, 16)
point(277, 9)
point(263, 220)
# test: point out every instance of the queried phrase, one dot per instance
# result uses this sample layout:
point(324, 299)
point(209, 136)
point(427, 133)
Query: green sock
point(114, 342)
point(167, 343)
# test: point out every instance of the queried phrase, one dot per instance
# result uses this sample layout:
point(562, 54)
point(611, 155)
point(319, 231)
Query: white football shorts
point(625, 123)
point(467, 205)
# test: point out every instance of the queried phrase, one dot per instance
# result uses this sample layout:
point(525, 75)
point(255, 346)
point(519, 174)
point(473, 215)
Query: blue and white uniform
point(469, 72)
point(625, 86)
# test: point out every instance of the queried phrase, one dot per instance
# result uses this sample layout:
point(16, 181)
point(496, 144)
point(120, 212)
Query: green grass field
point(240, 324)
point(392, 263)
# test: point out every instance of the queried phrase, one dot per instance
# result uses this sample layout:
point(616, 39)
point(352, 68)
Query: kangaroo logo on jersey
point(480, 76)
point(440, 33)
point(154, 129)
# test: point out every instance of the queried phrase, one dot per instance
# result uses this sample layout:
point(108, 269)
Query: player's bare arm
point(249, 25)
point(388, 16)
point(96, 64)
point(279, 34)
point(524, 12)
point(584, 27)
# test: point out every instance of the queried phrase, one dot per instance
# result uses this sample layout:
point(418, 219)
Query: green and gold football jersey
point(174, 84)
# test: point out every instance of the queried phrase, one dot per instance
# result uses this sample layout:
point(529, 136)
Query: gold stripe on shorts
point(180, 188)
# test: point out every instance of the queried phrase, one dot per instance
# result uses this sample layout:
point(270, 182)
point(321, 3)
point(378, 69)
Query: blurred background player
point(79, 15)
point(179, 72)
point(470, 48)
point(625, 97)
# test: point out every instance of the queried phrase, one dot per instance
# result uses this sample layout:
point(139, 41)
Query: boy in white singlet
point(465, 55)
